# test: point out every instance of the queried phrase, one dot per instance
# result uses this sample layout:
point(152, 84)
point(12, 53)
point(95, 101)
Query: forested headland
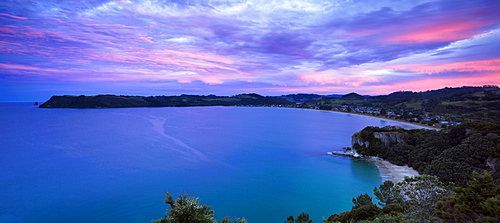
point(452, 155)
point(460, 179)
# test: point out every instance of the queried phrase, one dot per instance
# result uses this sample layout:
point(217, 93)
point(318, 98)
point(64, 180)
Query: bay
point(107, 165)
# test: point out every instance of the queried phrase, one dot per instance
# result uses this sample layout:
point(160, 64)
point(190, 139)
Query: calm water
point(98, 165)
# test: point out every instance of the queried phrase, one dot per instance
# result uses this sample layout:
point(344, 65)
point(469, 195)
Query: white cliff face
point(385, 137)
point(357, 140)
point(388, 137)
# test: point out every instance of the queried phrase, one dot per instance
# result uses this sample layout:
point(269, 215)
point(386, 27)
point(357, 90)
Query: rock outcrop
point(357, 140)
point(384, 137)
point(388, 137)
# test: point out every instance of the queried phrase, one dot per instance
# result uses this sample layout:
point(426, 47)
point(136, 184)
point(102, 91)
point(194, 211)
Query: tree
point(367, 212)
point(302, 218)
point(478, 202)
point(233, 220)
point(186, 209)
point(420, 196)
point(385, 193)
point(361, 200)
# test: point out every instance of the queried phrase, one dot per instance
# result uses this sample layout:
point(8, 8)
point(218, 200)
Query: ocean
point(114, 164)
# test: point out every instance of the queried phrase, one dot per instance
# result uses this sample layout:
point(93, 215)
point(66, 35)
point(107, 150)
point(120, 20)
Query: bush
point(368, 212)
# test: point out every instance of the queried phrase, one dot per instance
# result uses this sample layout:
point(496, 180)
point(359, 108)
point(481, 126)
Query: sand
point(392, 172)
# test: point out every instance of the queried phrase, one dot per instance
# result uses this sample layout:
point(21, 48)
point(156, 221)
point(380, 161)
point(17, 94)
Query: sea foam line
point(158, 123)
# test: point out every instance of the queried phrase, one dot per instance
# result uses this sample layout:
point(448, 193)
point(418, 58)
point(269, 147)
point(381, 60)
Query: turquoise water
point(99, 165)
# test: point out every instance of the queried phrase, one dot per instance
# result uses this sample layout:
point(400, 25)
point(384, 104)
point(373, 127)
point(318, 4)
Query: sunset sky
point(173, 47)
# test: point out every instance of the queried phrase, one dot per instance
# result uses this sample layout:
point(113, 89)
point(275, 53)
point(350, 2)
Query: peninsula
point(122, 101)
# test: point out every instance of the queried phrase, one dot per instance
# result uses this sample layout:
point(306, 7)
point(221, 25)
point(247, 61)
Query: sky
point(228, 47)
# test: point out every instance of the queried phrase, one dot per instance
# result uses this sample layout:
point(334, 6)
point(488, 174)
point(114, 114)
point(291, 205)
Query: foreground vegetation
point(419, 199)
point(187, 209)
point(426, 199)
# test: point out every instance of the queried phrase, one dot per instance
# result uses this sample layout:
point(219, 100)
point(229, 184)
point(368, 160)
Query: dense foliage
point(426, 199)
point(302, 218)
point(478, 202)
point(452, 155)
point(187, 209)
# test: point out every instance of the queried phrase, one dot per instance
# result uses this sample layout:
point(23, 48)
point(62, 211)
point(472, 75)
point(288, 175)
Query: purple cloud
point(254, 46)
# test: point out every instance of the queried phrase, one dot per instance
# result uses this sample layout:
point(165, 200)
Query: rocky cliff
point(385, 137)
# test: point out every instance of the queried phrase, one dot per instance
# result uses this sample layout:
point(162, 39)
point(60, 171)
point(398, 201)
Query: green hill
point(454, 104)
point(114, 101)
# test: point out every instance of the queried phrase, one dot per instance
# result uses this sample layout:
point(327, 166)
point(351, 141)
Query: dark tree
point(385, 193)
point(361, 200)
point(186, 209)
point(302, 218)
point(478, 202)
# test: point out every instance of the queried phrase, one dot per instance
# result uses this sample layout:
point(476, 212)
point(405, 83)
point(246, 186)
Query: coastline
point(379, 117)
point(392, 172)
point(387, 170)
point(392, 119)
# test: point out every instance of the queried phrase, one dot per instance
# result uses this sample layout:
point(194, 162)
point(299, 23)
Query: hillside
point(114, 101)
point(299, 98)
point(429, 107)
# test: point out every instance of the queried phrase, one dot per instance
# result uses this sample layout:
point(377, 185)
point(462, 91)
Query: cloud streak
point(268, 47)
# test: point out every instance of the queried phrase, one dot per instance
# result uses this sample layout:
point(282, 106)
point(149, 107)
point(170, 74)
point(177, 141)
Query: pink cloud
point(438, 32)
point(465, 66)
point(201, 56)
point(4, 31)
point(26, 68)
point(436, 83)
point(147, 39)
point(326, 78)
point(9, 43)
point(315, 89)
point(108, 26)
point(13, 16)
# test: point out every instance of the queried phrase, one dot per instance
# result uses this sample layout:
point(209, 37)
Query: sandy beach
point(393, 119)
point(382, 117)
point(392, 172)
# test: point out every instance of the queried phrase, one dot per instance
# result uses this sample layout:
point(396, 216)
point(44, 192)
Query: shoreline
point(388, 170)
point(374, 116)
point(392, 172)
point(390, 119)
